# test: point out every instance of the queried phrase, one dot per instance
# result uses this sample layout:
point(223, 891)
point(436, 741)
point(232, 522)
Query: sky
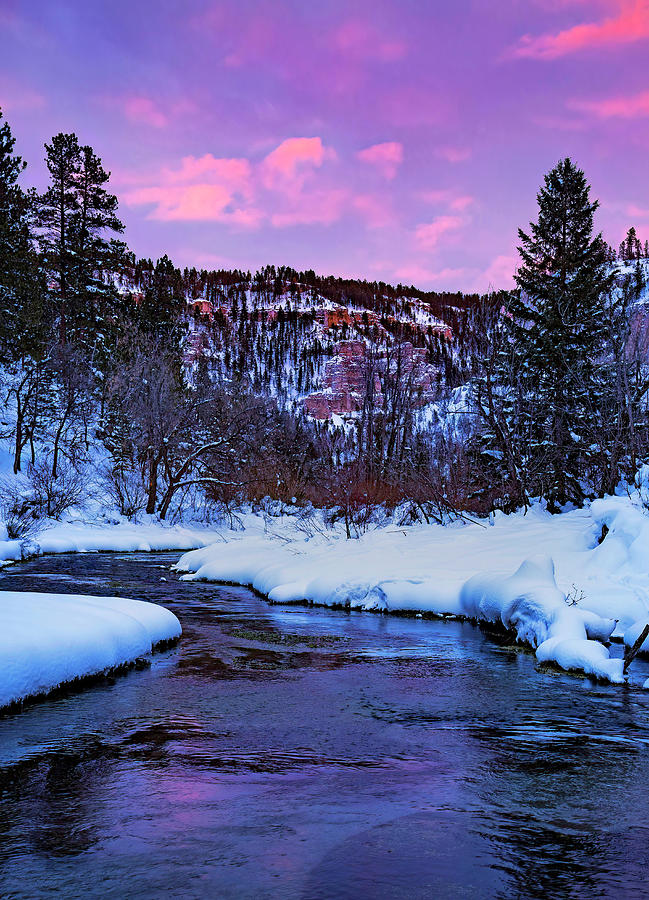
point(394, 140)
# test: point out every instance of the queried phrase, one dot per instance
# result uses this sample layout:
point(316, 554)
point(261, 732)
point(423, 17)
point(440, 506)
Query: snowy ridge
point(545, 578)
point(48, 640)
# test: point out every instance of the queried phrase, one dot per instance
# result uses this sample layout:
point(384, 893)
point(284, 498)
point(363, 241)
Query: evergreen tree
point(21, 326)
point(97, 260)
point(547, 375)
point(56, 209)
point(163, 303)
point(74, 214)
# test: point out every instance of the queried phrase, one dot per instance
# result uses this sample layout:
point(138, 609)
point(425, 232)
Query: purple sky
point(402, 140)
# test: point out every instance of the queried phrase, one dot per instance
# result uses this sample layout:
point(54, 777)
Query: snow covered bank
point(78, 537)
point(544, 577)
point(47, 640)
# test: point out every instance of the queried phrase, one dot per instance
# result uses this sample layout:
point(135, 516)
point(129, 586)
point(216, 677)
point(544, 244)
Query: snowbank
point(47, 640)
point(78, 537)
point(566, 603)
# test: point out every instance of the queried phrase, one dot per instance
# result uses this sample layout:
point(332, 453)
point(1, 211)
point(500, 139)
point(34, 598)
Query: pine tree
point(160, 312)
point(56, 209)
point(74, 214)
point(21, 325)
point(547, 378)
point(96, 259)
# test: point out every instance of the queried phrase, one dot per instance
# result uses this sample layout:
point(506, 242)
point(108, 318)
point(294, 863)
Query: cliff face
point(347, 375)
point(639, 333)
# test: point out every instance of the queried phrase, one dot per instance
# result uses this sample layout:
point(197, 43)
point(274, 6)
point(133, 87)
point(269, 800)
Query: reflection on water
point(279, 752)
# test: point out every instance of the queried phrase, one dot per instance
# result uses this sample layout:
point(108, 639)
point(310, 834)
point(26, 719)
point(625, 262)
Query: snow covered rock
point(47, 640)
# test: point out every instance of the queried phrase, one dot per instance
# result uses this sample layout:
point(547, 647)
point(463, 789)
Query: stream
point(284, 752)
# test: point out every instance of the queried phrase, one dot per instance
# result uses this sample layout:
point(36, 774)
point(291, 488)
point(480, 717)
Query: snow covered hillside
point(546, 578)
point(48, 640)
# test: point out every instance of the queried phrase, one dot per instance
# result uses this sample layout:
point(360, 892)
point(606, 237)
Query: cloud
point(386, 158)
point(235, 172)
point(278, 190)
point(638, 212)
point(630, 107)
point(499, 275)
point(289, 187)
point(453, 154)
point(428, 235)
point(450, 199)
point(194, 202)
point(293, 160)
point(464, 201)
point(629, 23)
point(141, 109)
point(202, 189)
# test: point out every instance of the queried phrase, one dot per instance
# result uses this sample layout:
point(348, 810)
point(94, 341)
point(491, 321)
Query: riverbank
point(564, 584)
point(81, 536)
point(51, 640)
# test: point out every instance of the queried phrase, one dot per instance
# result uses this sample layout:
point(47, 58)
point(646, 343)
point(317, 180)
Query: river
point(280, 752)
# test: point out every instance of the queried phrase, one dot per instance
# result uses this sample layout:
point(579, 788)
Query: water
point(285, 753)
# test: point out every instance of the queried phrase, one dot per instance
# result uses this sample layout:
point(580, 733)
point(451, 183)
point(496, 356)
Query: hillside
point(303, 338)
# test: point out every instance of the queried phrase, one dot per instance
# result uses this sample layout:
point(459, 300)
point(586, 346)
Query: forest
point(150, 390)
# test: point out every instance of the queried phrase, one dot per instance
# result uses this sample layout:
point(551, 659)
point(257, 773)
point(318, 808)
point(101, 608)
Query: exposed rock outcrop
point(347, 377)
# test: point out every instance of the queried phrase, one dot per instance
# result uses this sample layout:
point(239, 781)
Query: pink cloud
point(448, 198)
point(194, 202)
point(427, 236)
point(637, 211)
point(361, 39)
point(462, 202)
point(630, 107)
point(233, 171)
point(202, 189)
point(386, 158)
point(239, 193)
point(141, 109)
point(499, 275)
point(293, 160)
point(629, 23)
point(453, 154)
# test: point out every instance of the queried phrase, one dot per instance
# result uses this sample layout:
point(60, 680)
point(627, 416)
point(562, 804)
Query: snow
point(80, 537)
point(47, 640)
point(545, 578)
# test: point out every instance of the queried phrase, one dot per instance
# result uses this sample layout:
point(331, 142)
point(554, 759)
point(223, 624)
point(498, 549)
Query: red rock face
point(346, 375)
point(202, 308)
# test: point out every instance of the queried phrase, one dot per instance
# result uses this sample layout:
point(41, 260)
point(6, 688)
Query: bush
point(54, 495)
point(17, 510)
point(125, 489)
